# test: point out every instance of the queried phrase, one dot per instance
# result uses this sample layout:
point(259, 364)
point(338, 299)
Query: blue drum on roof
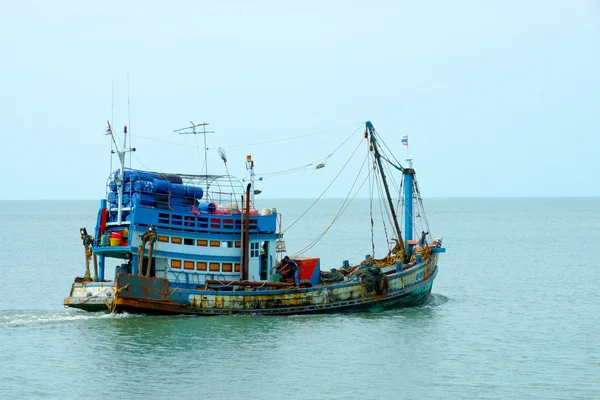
point(194, 191)
point(112, 186)
point(210, 208)
point(140, 186)
point(177, 200)
point(177, 189)
point(173, 178)
point(113, 198)
point(136, 175)
point(142, 198)
point(161, 185)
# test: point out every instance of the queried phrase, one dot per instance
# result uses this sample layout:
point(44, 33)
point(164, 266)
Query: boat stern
point(91, 296)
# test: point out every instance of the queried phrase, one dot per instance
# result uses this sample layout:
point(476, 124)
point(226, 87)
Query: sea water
point(513, 314)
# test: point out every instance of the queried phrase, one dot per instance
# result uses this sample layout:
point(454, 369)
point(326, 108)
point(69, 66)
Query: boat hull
point(137, 294)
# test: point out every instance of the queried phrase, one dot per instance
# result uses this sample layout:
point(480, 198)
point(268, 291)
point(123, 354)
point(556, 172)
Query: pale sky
point(499, 99)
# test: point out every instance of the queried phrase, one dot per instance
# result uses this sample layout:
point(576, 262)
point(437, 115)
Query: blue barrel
point(177, 189)
point(117, 175)
point(142, 198)
point(113, 198)
point(208, 207)
point(194, 191)
point(161, 186)
point(137, 175)
point(161, 198)
point(126, 199)
point(112, 186)
point(177, 200)
point(140, 186)
point(189, 201)
point(173, 178)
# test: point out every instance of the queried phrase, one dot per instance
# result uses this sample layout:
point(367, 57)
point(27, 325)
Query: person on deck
point(290, 266)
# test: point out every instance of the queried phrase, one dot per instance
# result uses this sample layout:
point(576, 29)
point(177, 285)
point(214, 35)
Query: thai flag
point(108, 130)
point(404, 140)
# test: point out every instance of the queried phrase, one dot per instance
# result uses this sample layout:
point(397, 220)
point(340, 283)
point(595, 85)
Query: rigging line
point(422, 206)
point(401, 201)
point(340, 211)
point(343, 208)
point(388, 149)
point(382, 195)
point(291, 138)
point(199, 154)
point(398, 167)
point(140, 161)
point(390, 175)
point(399, 196)
point(128, 120)
point(344, 142)
point(383, 208)
point(112, 117)
point(371, 184)
point(166, 141)
point(314, 162)
point(287, 170)
point(327, 188)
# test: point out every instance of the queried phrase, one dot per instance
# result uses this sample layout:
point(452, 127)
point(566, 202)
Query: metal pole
point(246, 235)
point(370, 129)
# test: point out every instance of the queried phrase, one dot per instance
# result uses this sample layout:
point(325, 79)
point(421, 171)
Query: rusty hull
point(154, 296)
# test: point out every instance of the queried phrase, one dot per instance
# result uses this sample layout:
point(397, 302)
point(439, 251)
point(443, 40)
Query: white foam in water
point(16, 320)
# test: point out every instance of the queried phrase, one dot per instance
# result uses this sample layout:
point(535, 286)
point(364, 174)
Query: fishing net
point(372, 278)
point(333, 276)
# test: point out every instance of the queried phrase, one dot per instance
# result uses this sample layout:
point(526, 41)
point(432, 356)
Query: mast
point(370, 131)
point(250, 168)
point(193, 132)
point(121, 154)
point(246, 239)
point(409, 174)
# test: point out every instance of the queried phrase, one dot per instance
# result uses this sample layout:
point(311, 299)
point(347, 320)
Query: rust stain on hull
point(146, 295)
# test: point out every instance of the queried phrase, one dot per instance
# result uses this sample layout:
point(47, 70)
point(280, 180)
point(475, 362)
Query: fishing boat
point(195, 244)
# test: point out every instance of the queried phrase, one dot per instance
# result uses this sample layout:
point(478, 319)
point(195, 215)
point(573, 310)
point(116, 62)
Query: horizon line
point(364, 198)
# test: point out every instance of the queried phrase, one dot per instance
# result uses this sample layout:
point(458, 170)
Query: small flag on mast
point(404, 140)
point(108, 130)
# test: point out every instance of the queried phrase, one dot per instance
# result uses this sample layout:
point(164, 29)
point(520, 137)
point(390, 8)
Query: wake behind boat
point(195, 244)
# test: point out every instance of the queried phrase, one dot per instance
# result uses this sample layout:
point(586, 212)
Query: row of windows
point(199, 242)
point(205, 266)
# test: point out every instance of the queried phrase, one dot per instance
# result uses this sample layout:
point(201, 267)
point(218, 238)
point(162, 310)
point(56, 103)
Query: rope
point(323, 160)
point(382, 207)
point(379, 139)
point(327, 188)
point(96, 295)
point(163, 141)
point(341, 211)
point(371, 184)
point(294, 137)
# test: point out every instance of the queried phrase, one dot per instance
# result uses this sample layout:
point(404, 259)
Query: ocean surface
point(514, 314)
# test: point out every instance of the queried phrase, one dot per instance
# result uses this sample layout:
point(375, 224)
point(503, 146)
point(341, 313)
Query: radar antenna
point(186, 131)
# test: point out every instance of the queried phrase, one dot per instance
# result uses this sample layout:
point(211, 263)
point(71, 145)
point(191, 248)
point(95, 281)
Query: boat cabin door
point(258, 261)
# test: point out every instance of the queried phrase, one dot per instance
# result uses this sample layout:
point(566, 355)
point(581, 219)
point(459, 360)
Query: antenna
point(128, 120)
point(223, 156)
point(193, 132)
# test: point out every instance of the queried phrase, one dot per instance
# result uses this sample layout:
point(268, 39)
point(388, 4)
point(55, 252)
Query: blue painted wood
point(408, 207)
